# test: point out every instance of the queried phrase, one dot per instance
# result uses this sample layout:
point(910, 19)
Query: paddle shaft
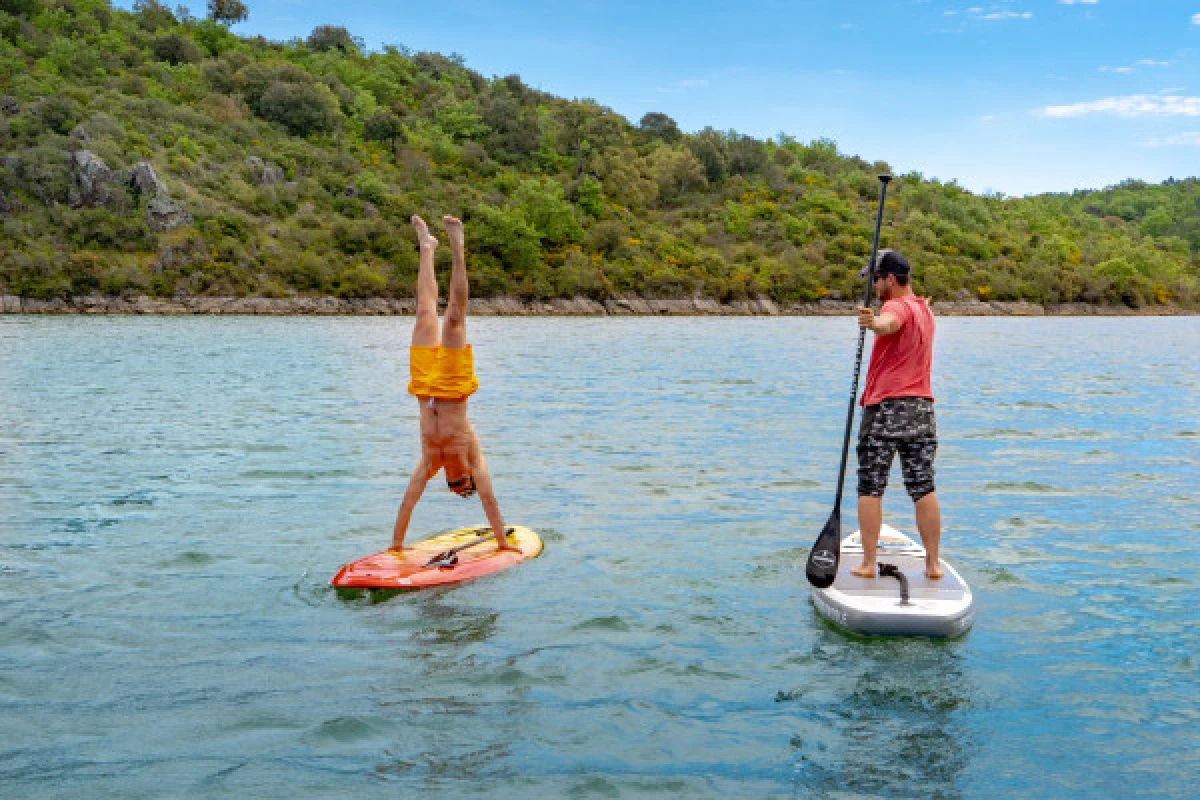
point(485, 537)
point(862, 335)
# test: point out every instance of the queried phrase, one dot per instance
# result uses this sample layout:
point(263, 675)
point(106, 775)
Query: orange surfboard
point(410, 569)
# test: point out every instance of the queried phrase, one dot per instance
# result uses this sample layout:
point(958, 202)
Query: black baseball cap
point(888, 262)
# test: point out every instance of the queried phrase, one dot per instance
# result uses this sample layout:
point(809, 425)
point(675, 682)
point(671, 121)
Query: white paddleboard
point(874, 606)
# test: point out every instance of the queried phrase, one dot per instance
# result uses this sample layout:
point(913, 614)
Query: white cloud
point(980, 13)
point(1189, 138)
point(1079, 2)
point(1145, 62)
point(1135, 105)
point(1196, 19)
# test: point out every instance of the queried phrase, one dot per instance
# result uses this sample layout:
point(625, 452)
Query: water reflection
point(886, 718)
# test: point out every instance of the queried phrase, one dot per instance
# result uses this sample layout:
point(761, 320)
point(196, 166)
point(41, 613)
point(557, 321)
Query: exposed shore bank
point(511, 306)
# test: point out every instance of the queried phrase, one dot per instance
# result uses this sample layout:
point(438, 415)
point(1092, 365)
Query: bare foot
point(933, 571)
point(454, 229)
point(424, 237)
point(863, 571)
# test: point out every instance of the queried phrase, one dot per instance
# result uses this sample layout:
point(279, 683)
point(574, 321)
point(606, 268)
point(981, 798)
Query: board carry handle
point(448, 559)
point(892, 571)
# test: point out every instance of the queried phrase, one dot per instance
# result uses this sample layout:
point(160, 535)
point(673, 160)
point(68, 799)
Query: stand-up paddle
point(823, 558)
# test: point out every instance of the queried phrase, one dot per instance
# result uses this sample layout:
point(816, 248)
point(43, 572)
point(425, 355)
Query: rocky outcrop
point(9, 105)
point(90, 180)
point(162, 212)
point(145, 180)
point(265, 173)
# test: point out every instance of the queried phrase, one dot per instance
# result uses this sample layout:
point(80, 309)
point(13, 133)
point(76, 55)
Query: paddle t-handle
point(826, 552)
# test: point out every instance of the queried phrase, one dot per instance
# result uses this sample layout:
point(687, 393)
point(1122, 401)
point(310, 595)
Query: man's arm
point(483, 483)
point(885, 324)
point(416, 488)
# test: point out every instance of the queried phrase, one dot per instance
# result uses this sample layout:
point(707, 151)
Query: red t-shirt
point(901, 361)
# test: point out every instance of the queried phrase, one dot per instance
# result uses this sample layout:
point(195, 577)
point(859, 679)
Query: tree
point(656, 126)
point(227, 11)
point(383, 126)
point(153, 15)
point(587, 128)
point(709, 147)
point(332, 37)
point(676, 171)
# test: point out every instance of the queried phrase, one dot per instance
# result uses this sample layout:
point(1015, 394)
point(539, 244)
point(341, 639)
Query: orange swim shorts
point(442, 372)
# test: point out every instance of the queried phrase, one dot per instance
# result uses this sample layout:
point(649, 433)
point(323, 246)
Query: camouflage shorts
point(899, 424)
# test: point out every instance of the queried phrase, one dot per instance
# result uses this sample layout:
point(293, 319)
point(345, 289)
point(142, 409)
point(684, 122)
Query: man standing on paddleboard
point(442, 377)
point(897, 410)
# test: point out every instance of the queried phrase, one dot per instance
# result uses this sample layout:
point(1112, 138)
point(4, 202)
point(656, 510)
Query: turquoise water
point(175, 494)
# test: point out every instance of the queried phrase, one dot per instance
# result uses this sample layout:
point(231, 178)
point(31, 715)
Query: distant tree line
point(300, 162)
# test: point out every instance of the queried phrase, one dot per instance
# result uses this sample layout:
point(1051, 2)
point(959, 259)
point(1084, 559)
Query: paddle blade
point(826, 551)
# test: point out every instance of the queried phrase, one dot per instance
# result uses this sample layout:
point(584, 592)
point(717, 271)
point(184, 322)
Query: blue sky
point(1013, 96)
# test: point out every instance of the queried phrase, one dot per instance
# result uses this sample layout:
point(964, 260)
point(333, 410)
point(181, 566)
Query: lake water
point(175, 494)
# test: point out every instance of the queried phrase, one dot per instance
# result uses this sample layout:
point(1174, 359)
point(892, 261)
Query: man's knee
point(919, 490)
point(916, 459)
point(456, 317)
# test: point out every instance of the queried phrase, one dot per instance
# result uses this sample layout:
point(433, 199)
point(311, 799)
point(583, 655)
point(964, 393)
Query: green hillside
point(155, 153)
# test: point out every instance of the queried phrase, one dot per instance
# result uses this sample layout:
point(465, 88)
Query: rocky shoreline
point(511, 306)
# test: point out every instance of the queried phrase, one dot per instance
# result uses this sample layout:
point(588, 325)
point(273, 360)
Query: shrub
point(100, 228)
point(255, 79)
point(505, 237)
point(372, 188)
point(220, 76)
point(359, 280)
point(300, 108)
point(550, 214)
point(176, 49)
point(59, 113)
point(46, 173)
point(36, 275)
point(21, 8)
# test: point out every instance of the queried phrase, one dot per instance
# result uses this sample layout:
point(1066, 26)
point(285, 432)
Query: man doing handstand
point(442, 377)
